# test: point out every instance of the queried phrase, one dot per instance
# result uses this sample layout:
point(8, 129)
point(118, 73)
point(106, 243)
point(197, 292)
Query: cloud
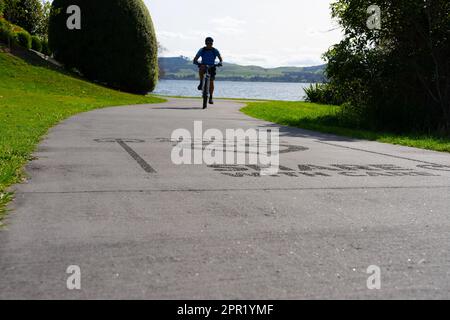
point(266, 59)
point(303, 61)
point(228, 25)
point(174, 35)
point(247, 59)
point(272, 60)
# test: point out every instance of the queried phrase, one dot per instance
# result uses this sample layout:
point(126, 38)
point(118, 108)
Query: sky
point(267, 33)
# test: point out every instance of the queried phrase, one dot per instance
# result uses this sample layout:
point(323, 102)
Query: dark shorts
point(212, 71)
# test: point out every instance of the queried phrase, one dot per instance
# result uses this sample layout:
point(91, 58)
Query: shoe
point(200, 86)
point(211, 101)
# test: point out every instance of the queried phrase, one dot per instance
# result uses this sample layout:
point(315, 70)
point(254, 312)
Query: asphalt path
point(103, 194)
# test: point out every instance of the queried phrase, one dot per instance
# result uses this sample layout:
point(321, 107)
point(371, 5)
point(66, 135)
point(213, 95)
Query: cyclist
point(208, 55)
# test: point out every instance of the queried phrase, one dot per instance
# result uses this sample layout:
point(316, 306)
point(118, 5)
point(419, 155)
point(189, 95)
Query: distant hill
point(181, 68)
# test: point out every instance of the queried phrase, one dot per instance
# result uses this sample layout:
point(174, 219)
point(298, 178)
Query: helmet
point(209, 39)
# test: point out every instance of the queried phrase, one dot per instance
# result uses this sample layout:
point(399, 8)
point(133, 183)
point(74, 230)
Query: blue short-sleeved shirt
point(208, 55)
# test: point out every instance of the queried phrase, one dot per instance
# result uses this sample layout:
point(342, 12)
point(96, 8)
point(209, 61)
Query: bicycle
point(207, 82)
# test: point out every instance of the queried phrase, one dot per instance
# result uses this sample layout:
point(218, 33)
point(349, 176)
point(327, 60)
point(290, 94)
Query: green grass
point(324, 118)
point(34, 98)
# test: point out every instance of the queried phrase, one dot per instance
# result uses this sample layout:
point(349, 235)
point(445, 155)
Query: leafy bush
point(14, 36)
point(46, 48)
point(3, 22)
point(2, 6)
point(9, 25)
point(323, 93)
point(23, 39)
point(116, 45)
point(36, 43)
point(314, 93)
point(6, 35)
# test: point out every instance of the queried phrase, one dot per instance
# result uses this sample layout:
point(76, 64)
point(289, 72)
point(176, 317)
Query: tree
point(24, 13)
point(42, 30)
point(398, 77)
point(116, 44)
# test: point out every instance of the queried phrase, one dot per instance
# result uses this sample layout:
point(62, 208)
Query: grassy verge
point(323, 118)
point(34, 98)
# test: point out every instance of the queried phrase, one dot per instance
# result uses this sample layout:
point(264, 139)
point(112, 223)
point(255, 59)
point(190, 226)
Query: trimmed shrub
point(36, 43)
point(3, 22)
point(14, 35)
point(45, 48)
point(116, 45)
point(6, 32)
point(23, 39)
point(6, 35)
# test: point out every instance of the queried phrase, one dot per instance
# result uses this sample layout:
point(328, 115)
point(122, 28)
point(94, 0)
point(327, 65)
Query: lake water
point(235, 89)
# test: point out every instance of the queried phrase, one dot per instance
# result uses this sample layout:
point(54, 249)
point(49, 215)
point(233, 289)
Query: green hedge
point(36, 43)
point(15, 36)
point(7, 36)
point(116, 45)
point(8, 33)
point(46, 48)
point(24, 39)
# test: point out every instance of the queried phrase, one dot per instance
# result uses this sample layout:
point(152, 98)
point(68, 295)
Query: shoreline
point(244, 80)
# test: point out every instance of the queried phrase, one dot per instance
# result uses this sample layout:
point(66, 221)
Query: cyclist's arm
point(196, 59)
point(219, 55)
point(197, 56)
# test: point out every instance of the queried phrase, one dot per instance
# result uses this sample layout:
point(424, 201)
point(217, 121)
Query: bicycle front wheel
point(205, 93)
point(205, 101)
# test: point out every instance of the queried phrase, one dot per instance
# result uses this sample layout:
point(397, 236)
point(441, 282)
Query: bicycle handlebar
point(209, 65)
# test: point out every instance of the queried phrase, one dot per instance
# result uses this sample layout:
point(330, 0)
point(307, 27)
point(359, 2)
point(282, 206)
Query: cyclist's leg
point(211, 91)
point(211, 87)
point(207, 84)
point(201, 73)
